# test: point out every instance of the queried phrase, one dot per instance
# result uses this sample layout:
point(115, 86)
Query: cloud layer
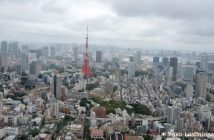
point(167, 24)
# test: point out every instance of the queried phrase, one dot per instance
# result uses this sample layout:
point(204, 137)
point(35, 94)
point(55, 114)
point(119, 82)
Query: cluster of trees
point(84, 102)
point(63, 123)
point(34, 132)
point(16, 96)
point(92, 86)
point(113, 104)
point(139, 109)
point(140, 72)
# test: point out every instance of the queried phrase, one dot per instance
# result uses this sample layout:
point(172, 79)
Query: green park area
point(111, 105)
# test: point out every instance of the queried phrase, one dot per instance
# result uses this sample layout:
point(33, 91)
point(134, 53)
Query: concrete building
point(165, 61)
point(24, 58)
point(75, 54)
point(131, 67)
point(4, 57)
point(204, 62)
point(201, 85)
point(155, 60)
point(117, 73)
point(34, 70)
point(2, 134)
point(57, 84)
point(96, 134)
point(98, 56)
point(100, 112)
point(170, 114)
point(53, 51)
point(45, 52)
point(54, 108)
point(138, 57)
point(187, 72)
point(1, 105)
point(189, 91)
point(77, 130)
point(173, 63)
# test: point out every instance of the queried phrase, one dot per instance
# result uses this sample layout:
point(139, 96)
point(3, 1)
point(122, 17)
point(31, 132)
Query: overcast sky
point(167, 24)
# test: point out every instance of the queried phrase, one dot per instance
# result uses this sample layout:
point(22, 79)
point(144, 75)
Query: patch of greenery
point(123, 71)
point(92, 86)
point(63, 123)
point(34, 132)
point(147, 137)
point(84, 102)
point(113, 104)
point(40, 76)
point(138, 73)
point(16, 96)
point(140, 109)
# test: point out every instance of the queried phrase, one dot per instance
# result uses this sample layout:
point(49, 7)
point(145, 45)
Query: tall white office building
point(131, 67)
point(187, 72)
point(170, 114)
point(1, 105)
point(24, 58)
point(189, 91)
point(204, 62)
point(4, 52)
point(201, 85)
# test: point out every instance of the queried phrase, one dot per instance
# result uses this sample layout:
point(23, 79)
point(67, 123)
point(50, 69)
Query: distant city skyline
point(176, 25)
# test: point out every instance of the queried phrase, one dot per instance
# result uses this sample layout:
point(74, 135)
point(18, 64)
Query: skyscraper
point(131, 67)
point(75, 53)
point(57, 84)
point(189, 91)
point(34, 70)
point(24, 60)
point(138, 57)
point(4, 58)
point(201, 85)
point(117, 73)
point(12, 49)
point(53, 51)
point(155, 59)
point(1, 105)
point(45, 52)
point(187, 73)
point(173, 63)
point(98, 56)
point(204, 62)
point(165, 61)
point(170, 114)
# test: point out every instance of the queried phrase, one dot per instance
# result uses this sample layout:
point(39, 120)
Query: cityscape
point(90, 88)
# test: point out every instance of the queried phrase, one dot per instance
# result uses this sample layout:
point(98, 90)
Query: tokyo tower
point(86, 69)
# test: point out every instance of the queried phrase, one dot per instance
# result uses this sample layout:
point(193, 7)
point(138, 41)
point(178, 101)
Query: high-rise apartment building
point(173, 63)
point(45, 52)
point(131, 67)
point(201, 85)
point(4, 53)
point(53, 51)
point(187, 72)
point(34, 69)
point(204, 62)
point(1, 105)
point(24, 58)
point(165, 61)
point(98, 56)
point(57, 84)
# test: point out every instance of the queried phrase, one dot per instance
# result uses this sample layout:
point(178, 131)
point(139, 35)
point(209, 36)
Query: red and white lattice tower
point(86, 69)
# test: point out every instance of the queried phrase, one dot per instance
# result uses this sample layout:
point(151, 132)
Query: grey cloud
point(165, 8)
point(198, 28)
